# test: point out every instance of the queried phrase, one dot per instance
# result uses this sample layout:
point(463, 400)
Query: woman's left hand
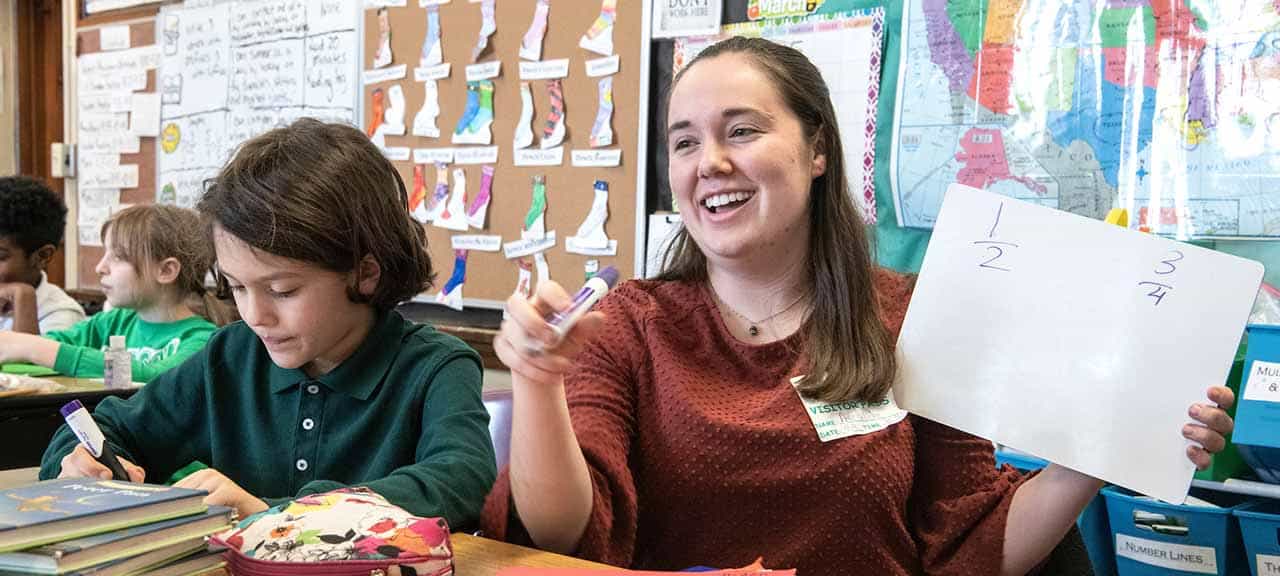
point(1211, 426)
point(222, 491)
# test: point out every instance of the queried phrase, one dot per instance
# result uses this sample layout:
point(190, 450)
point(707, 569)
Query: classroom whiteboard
point(1074, 340)
point(232, 70)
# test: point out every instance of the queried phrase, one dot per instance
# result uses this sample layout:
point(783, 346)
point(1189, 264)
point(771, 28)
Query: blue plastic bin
point(1260, 530)
point(1154, 538)
point(1092, 523)
point(1257, 434)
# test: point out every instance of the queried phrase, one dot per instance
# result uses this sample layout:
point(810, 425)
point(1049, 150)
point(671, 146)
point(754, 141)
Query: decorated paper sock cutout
point(424, 123)
point(553, 131)
point(418, 199)
point(599, 38)
point(540, 264)
point(451, 294)
point(487, 27)
point(591, 232)
point(602, 131)
point(524, 281)
point(531, 47)
point(455, 212)
point(590, 268)
point(478, 118)
point(378, 107)
point(440, 199)
point(473, 108)
point(534, 221)
point(432, 50)
point(480, 206)
point(394, 121)
point(524, 132)
point(484, 116)
point(383, 56)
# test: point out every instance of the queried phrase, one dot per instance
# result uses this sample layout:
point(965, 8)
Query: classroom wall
point(8, 88)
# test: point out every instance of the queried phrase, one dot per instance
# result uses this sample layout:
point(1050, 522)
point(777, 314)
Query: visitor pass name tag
point(835, 420)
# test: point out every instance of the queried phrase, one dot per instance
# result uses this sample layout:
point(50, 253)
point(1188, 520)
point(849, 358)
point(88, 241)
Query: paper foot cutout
point(480, 206)
point(382, 57)
point(531, 46)
point(599, 38)
point(553, 131)
point(524, 130)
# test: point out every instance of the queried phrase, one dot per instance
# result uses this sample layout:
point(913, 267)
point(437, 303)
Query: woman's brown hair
point(322, 194)
point(146, 234)
point(845, 340)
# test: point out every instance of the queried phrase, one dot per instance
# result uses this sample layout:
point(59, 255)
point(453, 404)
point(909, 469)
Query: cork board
point(491, 278)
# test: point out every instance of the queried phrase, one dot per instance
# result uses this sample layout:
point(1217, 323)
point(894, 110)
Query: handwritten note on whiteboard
point(233, 70)
point(1078, 341)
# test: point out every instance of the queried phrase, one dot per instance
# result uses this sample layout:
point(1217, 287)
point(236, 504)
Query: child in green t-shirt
point(155, 263)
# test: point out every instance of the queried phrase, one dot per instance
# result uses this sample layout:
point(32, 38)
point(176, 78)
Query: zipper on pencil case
point(245, 566)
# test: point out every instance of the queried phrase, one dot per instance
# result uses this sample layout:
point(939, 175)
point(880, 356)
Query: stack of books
point(86, 526)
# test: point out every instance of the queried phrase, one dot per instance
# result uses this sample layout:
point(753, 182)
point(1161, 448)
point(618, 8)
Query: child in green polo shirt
point(153, 268)
point(323, 384)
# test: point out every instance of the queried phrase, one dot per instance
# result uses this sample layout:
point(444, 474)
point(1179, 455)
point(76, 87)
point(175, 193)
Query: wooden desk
point(476, 556)
point(32, 419)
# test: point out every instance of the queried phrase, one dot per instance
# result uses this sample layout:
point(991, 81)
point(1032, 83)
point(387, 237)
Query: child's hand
point(81, 464)
point(222, 491)
point(1213, 427)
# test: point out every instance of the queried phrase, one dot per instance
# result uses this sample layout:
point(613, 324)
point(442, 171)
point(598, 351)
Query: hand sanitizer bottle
point(117, 365)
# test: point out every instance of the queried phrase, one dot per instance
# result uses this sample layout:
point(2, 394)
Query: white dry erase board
point(1075, 340)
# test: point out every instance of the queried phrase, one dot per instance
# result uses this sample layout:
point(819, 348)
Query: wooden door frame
point(38, 27)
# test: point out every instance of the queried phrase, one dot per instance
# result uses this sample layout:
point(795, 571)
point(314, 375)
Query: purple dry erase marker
point(80, 422)
point(591, 292)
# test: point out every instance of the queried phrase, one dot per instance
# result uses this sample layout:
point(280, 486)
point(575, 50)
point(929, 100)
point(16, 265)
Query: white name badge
point(835, 420)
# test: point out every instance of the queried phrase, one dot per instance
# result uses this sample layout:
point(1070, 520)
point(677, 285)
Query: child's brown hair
point(147, 234)
point(323, 194)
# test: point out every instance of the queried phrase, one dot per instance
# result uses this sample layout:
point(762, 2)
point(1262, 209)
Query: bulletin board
point(142, 32)
point(490, 277)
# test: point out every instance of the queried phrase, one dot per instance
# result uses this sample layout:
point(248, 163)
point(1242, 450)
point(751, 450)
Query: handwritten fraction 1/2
point(995, 248)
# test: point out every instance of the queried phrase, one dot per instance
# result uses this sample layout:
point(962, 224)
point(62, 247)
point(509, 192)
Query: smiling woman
point(744, 395)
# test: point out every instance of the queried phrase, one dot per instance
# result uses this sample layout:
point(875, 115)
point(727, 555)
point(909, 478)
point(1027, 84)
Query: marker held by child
point(81, 422)
point(592, 291)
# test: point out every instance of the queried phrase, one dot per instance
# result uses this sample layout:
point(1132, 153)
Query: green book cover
point(33, 370)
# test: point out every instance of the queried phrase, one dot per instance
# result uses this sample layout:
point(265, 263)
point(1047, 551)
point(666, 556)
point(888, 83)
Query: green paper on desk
point(32, 370)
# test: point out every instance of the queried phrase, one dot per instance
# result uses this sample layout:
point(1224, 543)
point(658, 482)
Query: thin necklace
point(753, 327)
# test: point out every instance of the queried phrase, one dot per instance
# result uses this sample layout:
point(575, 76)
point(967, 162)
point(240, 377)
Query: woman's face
point(740, 164)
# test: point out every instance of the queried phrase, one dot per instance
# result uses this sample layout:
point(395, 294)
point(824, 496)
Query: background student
point(672, 428)
point(323, 384)
point(32, 219)
point(155, 262)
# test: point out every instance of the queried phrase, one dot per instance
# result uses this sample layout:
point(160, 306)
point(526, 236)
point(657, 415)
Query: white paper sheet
point(144, 117)
point(1074, 340)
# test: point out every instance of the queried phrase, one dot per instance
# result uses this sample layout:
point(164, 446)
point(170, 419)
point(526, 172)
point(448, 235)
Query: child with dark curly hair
point(32, 219)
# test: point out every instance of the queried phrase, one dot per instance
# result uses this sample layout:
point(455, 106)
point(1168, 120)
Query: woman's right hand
point(81, 464)
point(528, 345)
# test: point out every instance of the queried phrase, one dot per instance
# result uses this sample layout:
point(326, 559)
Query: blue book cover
point(72, 507)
